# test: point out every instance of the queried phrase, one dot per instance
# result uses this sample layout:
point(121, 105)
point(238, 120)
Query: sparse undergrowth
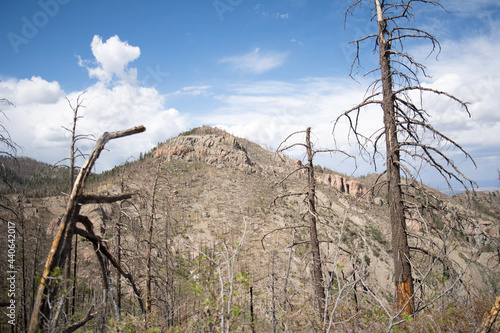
point(452, 317)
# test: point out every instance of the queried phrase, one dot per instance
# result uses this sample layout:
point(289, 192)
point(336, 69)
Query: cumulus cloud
point(37, 127)
point(255, 62)
point(42, 110)
point(268, 111)
point(31, 91)
point(468, 69)
point(112, 58)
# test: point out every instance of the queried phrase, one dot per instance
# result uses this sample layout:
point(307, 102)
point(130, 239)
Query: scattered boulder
point(378, 201)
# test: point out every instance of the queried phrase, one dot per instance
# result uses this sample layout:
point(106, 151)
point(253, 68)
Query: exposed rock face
point(217, 150)
point(351, 187)
point(413, 224)
point(354, 188)
point(297, 164)
point(338, 183)
point(485, 227)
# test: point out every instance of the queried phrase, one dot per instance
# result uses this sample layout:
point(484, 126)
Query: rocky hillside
point(228, 223)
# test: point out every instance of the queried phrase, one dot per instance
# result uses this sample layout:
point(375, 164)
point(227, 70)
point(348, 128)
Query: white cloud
point(255, 62)
point(268, 111)
point(28, 91)
point(113, 57)
point(125, 106)
point(42, 109)
point(469, 8)
point(468, 69)
point(202, 90)
point(37, 127)
point(283, 16)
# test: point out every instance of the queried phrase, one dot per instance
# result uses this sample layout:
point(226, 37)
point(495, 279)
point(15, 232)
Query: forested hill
point(31, 178)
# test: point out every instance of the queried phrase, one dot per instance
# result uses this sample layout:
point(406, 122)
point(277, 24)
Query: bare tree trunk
point(273, 295)
point(35, 263)
point(74, 153)
point(400, 250)
point(169, 280)
point(252, 317)
point(311, 202)
point(119, 259)
point(23, 259)
point(150, 241)
point(73, 301)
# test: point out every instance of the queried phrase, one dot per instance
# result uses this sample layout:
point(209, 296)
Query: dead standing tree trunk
point(319, 288)
point(152, 219)
point(406, 127)
point(74, 154)
point(62, 241)
point(318, 281)
point(400, 249)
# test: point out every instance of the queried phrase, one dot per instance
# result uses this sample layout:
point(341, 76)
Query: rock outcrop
point(350, 187)
point(217, 150)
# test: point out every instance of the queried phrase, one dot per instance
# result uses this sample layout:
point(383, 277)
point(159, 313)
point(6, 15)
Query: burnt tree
point(42, 315)
point(310, 194)
point(406, 126)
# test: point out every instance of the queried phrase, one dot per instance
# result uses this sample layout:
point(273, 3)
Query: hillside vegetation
point(216, 226)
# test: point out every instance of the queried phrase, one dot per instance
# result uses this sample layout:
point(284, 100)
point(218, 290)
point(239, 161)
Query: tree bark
point(400, 250)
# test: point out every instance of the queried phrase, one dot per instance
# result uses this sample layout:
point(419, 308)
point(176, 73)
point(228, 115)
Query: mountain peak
point(209, 145)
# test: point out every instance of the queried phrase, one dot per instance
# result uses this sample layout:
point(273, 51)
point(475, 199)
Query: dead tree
point(7, 146)
point(41, 314)
point(152, 219)
point(75, 153)
point(310, 193)
point(406, 125)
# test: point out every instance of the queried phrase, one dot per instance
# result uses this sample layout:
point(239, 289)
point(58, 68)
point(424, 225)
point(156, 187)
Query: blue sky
point(258, 69)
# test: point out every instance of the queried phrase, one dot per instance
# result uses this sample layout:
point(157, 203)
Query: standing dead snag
point(318, 281)
point(406, 126)
point(319, 289)
point(152, 220)
point(313, 230)
point(41, 313)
